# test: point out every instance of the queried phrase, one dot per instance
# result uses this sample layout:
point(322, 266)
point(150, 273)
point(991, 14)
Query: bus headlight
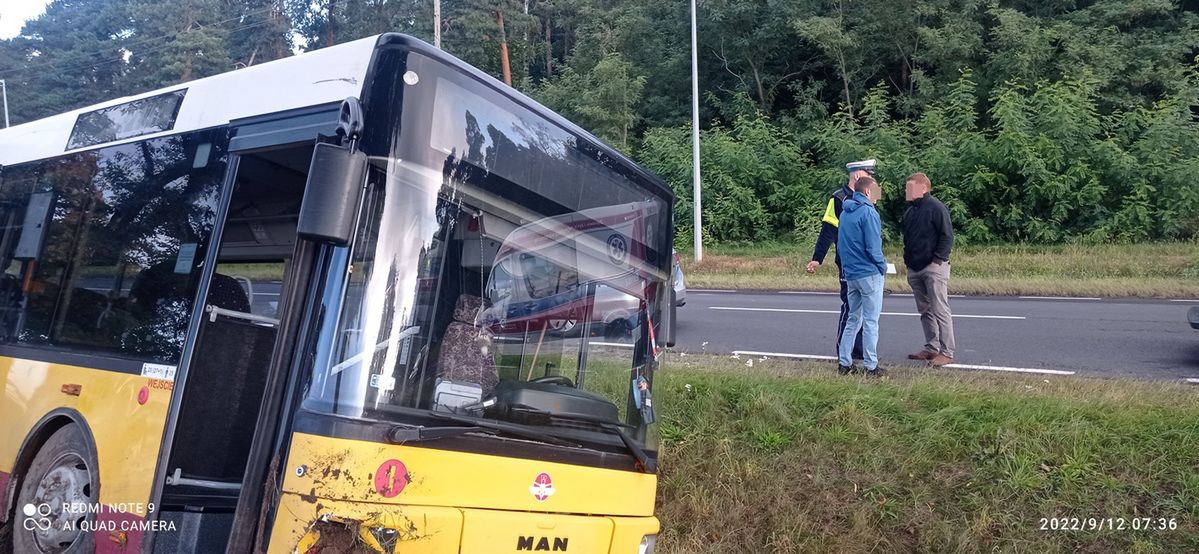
point(648, 543)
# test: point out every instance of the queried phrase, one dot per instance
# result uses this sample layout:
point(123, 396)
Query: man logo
point(543, 487)
point(543, 545)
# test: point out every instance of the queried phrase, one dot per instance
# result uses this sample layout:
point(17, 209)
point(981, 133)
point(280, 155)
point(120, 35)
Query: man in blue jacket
point(828, 237)
point(860, 244)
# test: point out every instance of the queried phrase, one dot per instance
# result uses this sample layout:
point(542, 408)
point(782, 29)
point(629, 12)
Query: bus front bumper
point(306, 524)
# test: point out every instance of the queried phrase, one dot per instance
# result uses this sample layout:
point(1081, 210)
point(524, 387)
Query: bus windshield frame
point(508, 269)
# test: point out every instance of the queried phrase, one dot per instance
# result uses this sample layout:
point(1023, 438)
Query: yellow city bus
point(274, 310)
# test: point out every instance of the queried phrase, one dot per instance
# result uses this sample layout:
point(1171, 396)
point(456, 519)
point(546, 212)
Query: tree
point(172, 43)
point(260, 33)
point(750, 40)
point(604, 99)
point(66, 58)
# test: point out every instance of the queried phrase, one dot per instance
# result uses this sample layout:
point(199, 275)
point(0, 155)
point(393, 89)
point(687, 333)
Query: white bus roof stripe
point(310, 79)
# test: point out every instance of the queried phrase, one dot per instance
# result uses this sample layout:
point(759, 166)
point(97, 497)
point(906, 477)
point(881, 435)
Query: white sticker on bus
point(159, 371)
point(383, 382)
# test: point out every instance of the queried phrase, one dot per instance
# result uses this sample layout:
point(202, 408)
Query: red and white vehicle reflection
point(558, 273)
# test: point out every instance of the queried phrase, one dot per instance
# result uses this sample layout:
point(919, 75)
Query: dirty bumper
point(331, 527)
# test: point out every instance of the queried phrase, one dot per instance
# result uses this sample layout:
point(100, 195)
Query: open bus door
point(230, 427)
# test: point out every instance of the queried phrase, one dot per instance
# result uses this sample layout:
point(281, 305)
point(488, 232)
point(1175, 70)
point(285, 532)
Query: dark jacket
point(829, 223)
point(860, 240)
point(927, 233)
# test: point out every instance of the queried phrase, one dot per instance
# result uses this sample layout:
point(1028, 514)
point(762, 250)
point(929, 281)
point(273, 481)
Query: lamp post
point(695, 183)
point(4, 86)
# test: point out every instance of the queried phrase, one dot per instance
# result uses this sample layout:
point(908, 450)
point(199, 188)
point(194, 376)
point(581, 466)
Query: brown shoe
point(940, 360)
point(922, 355)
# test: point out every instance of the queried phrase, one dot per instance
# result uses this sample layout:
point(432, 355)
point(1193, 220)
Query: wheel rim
point(69, 481)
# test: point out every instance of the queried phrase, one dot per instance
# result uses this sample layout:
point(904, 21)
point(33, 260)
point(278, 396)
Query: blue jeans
point(865, 305)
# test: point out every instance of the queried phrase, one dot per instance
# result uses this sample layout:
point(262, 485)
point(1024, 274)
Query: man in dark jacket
point(828, 237)
point(860, 243)
point(927, 242)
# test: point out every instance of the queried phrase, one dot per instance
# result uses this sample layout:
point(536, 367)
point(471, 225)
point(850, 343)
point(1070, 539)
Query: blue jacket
point(860, 239)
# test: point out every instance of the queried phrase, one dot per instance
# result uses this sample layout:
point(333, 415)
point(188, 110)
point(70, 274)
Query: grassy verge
point(1154, 270)
point(788, 457)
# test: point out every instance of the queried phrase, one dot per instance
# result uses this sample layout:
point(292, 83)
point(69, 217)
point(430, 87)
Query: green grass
point(1155, 270)
point(789, 457)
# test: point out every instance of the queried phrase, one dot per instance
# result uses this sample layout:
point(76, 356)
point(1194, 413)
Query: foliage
point(603, 100)
point(1048, 169)
point(1042, 122)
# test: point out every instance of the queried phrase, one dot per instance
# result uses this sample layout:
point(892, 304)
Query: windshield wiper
point(401, 435)
point(504, 428)
point(649, 464)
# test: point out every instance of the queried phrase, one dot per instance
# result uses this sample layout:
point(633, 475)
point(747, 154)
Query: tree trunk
point(188, 56)
point(276, 15)
point(330, 35)
point(758, 82)
point(845, 84)
point(549, 48)
point(504, 64)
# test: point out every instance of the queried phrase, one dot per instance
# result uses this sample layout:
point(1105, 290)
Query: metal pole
point(437, 23)
point(4, 86)
point(695, 188)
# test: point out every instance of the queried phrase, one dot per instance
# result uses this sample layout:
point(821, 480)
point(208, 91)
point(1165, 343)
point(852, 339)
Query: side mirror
point(669, 312)
point(335, 182)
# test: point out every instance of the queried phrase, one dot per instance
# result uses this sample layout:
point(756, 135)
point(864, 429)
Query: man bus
point(242, 314)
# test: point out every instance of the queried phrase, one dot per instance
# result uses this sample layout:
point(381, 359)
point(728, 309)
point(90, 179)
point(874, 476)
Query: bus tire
point(63, 471)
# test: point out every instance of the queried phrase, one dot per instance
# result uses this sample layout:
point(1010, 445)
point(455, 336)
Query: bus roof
point(314, 78)
point(310, 79)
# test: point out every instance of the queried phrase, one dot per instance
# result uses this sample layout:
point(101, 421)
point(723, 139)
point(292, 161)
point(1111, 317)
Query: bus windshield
point(504, 269)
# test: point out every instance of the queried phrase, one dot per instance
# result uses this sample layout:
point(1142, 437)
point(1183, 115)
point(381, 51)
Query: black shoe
point(844, 369)
point(876, 372)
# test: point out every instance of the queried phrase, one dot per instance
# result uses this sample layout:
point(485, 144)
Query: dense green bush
point(1041, 165)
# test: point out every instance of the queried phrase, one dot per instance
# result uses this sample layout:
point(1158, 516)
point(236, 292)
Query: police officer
point(828, 237)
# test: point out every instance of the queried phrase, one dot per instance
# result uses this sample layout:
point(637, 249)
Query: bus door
point(230, 368)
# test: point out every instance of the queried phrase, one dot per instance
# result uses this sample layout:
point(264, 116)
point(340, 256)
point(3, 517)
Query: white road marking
point(1010, 369)
point(782, 355)
point(807, 292)
point(1058, 298)
point(913, 296)
point(788, 310)
point(954, 366)
point(711, 290)
point(1193, 381)
point(1185, 300)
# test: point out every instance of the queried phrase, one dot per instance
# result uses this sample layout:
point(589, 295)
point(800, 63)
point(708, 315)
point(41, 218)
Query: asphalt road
point(1105, 338)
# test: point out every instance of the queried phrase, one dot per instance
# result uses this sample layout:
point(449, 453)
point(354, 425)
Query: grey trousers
point(930, 286)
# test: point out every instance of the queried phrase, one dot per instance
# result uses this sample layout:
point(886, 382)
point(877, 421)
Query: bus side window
point(119, 260)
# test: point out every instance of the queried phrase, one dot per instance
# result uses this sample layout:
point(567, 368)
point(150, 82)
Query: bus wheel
point(61, 473)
